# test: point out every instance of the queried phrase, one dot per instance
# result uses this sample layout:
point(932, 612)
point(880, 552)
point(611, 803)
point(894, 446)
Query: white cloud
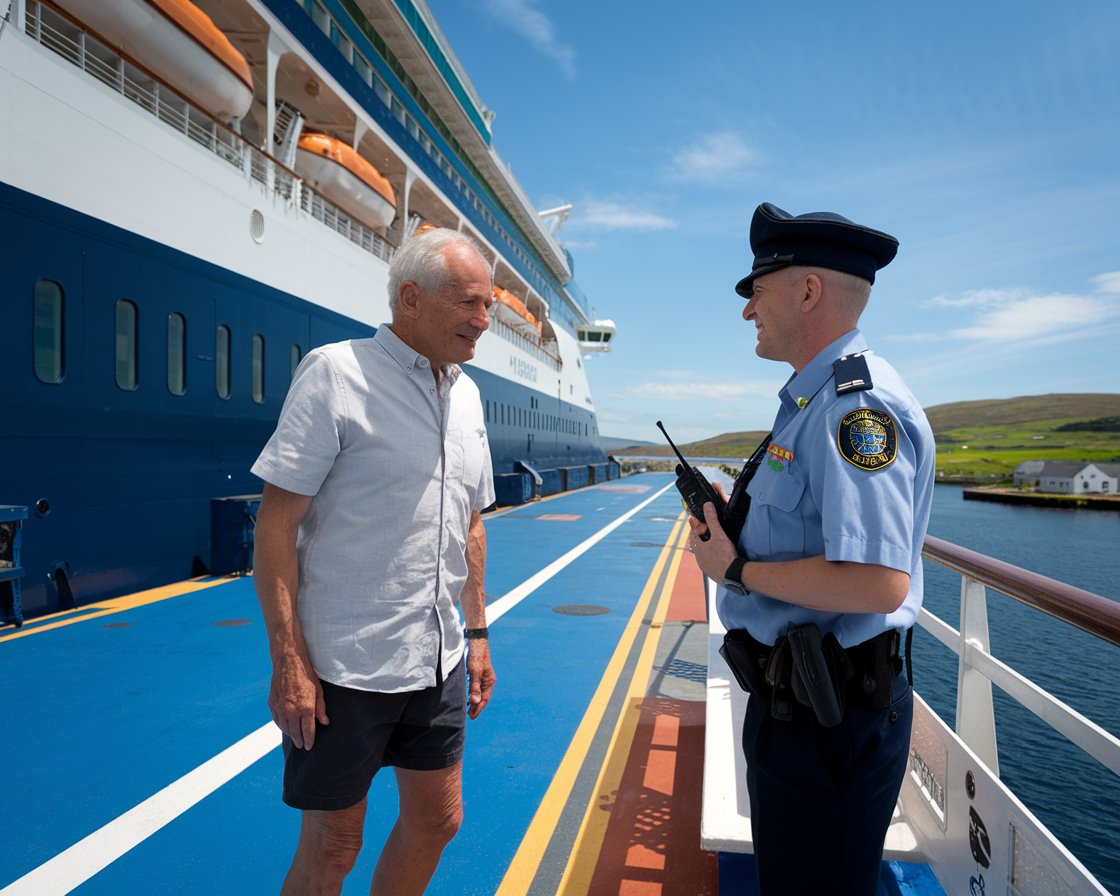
point(524, 18)
point(977, 298)
point(1018, 316)
point(713, 158)
point(1108, 283)
point(914, 337)
point(694, 391)
point(608, 215)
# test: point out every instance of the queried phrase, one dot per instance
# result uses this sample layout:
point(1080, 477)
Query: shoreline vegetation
point(979, 444)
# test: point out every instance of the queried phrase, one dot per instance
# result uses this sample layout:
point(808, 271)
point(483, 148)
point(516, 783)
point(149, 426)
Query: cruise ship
point(195, 194)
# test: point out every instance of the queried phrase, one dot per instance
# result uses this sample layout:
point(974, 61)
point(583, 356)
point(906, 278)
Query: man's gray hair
point(422, 261)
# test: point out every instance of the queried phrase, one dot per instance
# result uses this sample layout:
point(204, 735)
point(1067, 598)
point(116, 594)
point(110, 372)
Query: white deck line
point(75, 865)
point(508, 601)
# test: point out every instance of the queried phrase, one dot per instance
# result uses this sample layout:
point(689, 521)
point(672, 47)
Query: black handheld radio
point(695, 490)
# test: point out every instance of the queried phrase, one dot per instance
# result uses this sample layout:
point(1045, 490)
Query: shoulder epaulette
point(851, 374)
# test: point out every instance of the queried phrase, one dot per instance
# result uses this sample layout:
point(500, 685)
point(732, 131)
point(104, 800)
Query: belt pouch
point(820, 673)
point(740, 653)
point(778, 676)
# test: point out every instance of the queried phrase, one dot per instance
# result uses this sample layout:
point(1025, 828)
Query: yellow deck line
point(519, 876)
point(115, 605)
point(576, 880)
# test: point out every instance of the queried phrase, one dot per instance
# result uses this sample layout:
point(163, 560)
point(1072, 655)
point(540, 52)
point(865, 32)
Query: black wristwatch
point(732, 580)
point(476, 634)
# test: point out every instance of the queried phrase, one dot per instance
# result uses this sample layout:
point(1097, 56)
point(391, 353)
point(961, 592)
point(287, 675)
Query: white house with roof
point(1069, 477)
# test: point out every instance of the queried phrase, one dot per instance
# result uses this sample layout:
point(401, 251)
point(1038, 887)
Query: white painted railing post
point(976, 721)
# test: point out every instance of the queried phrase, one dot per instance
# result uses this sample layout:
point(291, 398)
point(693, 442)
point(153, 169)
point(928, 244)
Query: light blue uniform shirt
point(808, 498)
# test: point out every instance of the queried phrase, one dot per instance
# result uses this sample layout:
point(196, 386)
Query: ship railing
point(71, 40)
point(545, 351)
point(978, 669)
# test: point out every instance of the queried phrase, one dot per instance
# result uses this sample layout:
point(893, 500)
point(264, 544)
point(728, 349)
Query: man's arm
point(814, 582)
point(296, 696)
point(473, 603)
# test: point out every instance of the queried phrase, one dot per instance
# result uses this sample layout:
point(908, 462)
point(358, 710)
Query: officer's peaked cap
point(818, 239)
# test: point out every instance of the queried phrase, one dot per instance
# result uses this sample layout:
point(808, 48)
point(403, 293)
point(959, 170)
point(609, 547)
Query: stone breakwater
point(1038, 499)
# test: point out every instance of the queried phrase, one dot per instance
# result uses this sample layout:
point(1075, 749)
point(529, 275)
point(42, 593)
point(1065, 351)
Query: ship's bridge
point(596, 337)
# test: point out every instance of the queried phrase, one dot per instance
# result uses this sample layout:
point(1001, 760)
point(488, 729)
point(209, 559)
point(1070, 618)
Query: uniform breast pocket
point(778, 532)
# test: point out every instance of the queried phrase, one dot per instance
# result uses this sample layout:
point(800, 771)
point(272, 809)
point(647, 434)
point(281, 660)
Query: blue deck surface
point(105, 709)
point(105, 712)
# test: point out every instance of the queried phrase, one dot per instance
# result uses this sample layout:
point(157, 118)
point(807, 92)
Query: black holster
point(820, 671)
point(804, 667)
point(746, 658)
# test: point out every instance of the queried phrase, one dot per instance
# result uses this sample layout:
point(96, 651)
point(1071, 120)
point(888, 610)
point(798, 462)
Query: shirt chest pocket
point(778, 530)
point(464, 456)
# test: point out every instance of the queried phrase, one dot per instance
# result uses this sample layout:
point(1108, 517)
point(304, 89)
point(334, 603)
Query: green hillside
point(980, 441)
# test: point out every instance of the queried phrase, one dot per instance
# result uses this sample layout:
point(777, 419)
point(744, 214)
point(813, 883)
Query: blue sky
point(984, 135)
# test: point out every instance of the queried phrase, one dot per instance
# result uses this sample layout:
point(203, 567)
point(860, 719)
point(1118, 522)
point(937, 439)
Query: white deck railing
point(725, 822)
point(73, 42)
point(978, 670)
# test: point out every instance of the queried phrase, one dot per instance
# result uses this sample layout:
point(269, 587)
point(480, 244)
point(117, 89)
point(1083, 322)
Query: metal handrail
point(1087, 611)
point(978, 669)
point(197, 124)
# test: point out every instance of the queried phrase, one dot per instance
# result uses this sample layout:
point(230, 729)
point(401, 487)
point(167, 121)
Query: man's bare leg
point(431, 810)
point(329, 843)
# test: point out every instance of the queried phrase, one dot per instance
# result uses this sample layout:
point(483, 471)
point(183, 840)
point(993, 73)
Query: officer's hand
point(699, 528)
point(714, 555)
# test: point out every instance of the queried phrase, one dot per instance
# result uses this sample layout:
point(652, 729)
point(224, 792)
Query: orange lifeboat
point(512, 311)
point(178, 42)
point(338, 172)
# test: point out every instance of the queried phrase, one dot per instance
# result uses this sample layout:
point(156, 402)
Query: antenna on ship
point(554, 218)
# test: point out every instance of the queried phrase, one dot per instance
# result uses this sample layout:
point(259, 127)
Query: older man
point(368, 535)
point(822, 584)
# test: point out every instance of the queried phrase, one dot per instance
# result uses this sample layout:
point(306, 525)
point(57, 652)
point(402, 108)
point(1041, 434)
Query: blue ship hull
point(119, 483)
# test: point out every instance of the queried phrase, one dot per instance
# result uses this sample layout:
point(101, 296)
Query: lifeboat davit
point(177, 42)
point(346, 179)
point(512, 311)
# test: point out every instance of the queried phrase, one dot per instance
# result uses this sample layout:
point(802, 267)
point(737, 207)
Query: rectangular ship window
point(47, 332)
point(221, 361)
point(127, 349)
point(176, 353)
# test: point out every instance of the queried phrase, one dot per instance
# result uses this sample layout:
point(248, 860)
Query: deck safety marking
point(74, 866)
point(593, 829)
point(117, 605)
point(529, 854)
point(508, 601)
point(78, 863)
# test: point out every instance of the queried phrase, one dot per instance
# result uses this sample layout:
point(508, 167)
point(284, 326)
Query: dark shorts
point(419, 730)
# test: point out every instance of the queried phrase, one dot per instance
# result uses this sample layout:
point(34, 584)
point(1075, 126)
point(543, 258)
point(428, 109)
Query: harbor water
point(1071, 793)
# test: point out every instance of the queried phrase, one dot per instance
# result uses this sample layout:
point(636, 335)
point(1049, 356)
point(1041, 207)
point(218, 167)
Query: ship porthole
point(256, 226)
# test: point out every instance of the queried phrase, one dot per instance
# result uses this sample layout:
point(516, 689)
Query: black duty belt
point(802, 667)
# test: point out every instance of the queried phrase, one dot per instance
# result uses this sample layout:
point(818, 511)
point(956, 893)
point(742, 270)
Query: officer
point(824, 581)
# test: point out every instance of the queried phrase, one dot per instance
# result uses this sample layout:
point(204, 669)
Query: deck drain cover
point(581, 610)
point(229, 622)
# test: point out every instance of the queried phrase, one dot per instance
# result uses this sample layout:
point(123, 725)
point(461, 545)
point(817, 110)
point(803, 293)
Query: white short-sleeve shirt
point(396, 465)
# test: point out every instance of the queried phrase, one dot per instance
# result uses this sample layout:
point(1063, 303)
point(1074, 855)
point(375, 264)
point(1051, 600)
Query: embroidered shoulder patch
point(867, 438)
